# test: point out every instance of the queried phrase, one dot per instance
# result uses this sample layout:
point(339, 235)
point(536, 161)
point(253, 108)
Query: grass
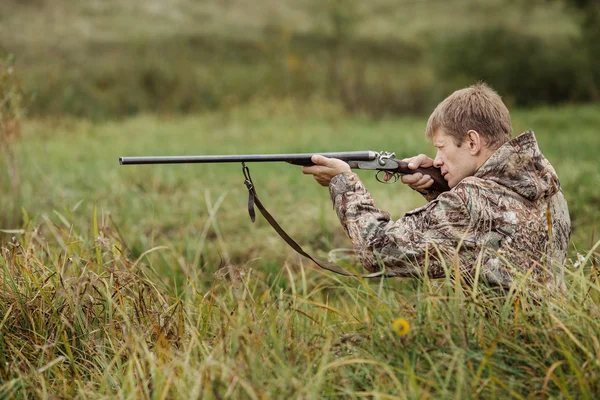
point(86, 322)
point(151, 282)
point(67, 166)
point(116, 283)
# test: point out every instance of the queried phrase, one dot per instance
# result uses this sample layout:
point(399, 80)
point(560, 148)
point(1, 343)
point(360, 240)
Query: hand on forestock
point(325, 169)
point(418, 181)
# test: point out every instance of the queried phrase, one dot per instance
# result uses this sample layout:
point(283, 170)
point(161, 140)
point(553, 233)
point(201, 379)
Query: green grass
point(110, 286)
point(151, 282)
point(68, 166)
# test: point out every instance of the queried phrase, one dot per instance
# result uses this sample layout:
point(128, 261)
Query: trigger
point(387, 176)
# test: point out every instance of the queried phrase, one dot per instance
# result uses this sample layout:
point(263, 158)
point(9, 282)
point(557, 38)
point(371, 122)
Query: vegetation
point(12, 110)
point(151, 282)
point(86, 322)
point(68, 166)
point(87, 58)
point(116, 282)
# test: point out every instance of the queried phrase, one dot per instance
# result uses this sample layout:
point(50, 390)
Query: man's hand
point(418, 181)
point(325, 169)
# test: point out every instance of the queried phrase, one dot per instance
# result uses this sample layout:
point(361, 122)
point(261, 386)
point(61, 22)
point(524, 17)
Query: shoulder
point(473, 187)
point(472, 183)
point(476, 194)
point(463, 192)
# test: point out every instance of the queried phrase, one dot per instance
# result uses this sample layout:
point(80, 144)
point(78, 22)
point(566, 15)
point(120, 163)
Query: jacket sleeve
point(420, 240)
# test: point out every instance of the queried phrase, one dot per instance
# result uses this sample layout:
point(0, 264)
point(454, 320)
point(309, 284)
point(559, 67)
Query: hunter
point(505, 213)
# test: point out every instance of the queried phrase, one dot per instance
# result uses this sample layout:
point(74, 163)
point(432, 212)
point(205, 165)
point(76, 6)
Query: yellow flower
point(401, 326)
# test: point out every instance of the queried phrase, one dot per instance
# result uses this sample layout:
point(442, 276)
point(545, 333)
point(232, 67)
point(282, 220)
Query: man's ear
point(474, 142)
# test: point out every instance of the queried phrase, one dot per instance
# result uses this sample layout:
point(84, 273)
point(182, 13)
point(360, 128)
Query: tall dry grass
point(80, 319)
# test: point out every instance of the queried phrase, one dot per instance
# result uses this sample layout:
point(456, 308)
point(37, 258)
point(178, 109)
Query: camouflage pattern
point(510, 218)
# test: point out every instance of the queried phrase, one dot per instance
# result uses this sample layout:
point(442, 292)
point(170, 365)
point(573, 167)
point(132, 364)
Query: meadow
point(151, 281)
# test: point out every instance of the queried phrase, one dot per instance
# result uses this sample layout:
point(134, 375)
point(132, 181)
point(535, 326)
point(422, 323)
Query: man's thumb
point(318, 159)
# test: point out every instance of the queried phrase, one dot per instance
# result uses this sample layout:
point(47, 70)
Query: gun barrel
point(298, 158)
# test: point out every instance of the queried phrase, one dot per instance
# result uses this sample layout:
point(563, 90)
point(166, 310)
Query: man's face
point(456, 163)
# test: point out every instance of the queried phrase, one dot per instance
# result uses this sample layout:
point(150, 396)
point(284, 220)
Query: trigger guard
point(394, 179)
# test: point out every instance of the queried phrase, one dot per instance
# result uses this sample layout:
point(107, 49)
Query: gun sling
point(253, 199)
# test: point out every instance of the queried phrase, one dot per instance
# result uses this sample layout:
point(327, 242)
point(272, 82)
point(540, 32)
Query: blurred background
point(106, 59)
point(84, 82)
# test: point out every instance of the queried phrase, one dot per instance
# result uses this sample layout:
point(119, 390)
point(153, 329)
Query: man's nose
point(437, 162)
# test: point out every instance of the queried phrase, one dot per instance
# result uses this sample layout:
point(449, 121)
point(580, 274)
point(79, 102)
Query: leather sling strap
point(253, 199)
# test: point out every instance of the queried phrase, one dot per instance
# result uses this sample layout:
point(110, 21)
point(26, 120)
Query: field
point(75, 165)
point(151, 282)
point(116, 282)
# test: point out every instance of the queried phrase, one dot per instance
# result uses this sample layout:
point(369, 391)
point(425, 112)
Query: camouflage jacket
point(510, 218)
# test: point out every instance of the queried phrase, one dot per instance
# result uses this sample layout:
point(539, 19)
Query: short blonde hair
point(477, 107)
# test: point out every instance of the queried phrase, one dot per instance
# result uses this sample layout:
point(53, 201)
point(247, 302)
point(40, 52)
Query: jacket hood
point(520, 166)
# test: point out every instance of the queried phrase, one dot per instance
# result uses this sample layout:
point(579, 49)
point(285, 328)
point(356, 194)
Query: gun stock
point(439, 183)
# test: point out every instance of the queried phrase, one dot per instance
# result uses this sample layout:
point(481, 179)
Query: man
point(505, 211)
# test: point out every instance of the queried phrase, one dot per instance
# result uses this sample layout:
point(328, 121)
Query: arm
point(404, 245)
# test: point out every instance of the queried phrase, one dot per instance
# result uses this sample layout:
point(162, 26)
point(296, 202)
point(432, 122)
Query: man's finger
point(417, 180)
point(311, 170)
point(425, 179)
point(426, 182)
point(320, 160)
point(411, 179)
point(421, 160)
point(332, 163)
point(418, 161)
point(322, 182)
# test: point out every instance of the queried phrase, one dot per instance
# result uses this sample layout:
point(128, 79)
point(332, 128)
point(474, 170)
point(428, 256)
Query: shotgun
point(370, 160)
